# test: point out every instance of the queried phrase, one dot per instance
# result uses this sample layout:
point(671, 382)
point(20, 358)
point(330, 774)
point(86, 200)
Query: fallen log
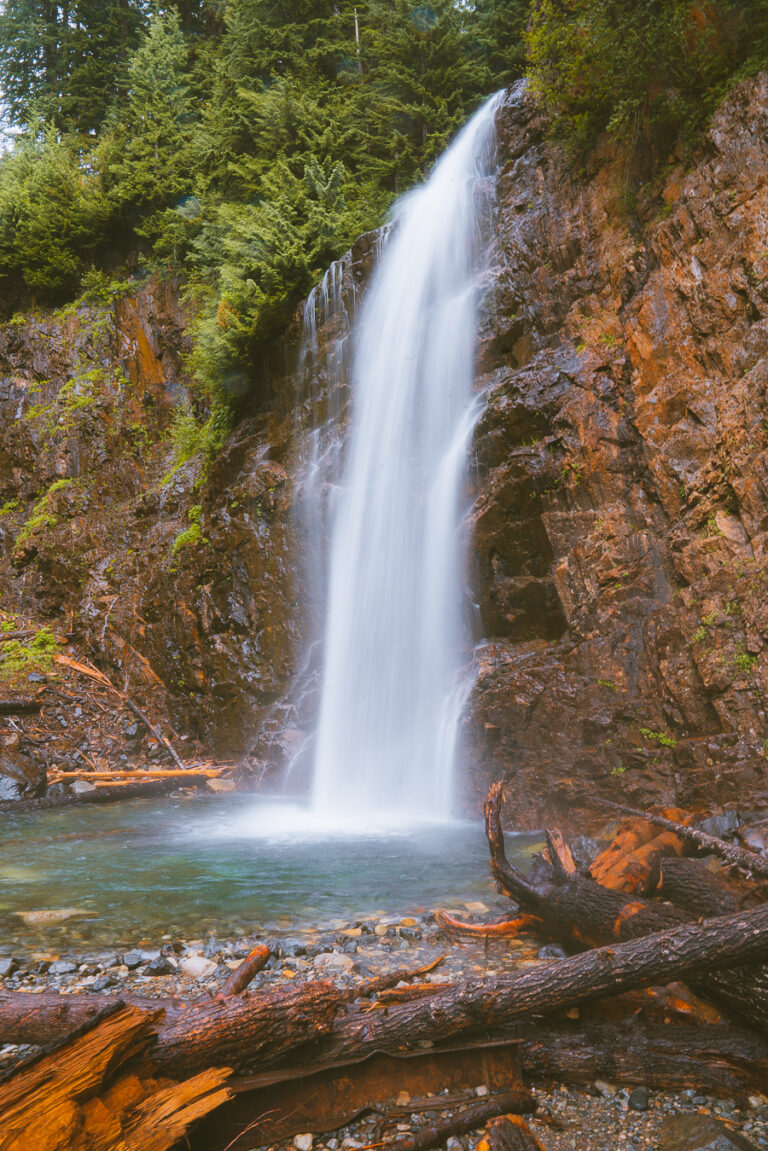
point(689, 884)
point(266, 1028)
point(473, 1006)
point(572, 907)
point(577, 910)
point(83, 1097)
point(145, 773)
point(236, 1031)
point(145, 789)
point(748, 861)
point(279, 1104)
point(720, 1059)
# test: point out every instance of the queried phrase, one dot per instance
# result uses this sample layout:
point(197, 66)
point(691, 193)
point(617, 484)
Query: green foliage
point(642, 68)
point(743, 661)
point(192, 437)
point(145, 152)
point(20, 657)
point(61, 63)
point(43, 513)
point(52, 216)
point(244, 143)
point(9, 507)
point(659, 737)
point(193, 535)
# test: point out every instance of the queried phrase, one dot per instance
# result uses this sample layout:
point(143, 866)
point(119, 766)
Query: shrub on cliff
point(639, 68)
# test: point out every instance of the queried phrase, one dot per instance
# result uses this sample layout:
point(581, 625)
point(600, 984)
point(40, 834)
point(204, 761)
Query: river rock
point(20, 776)
point(700, 1133)
point(62, 967)
point(197, 966)
point(334, 960)
point(50, 916)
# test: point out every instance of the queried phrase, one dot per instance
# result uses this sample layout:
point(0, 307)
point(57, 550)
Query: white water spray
point(392, 659)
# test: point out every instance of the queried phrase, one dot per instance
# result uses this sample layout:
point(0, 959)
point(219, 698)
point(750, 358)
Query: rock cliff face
point(619, 504)
point(620, 517)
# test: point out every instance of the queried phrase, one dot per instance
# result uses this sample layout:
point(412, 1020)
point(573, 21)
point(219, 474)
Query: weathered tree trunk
point(689, 884)
point(467, 1119)
point(748, 861)
point(235, 1031)
point(721, 1059)
point(263, 1029)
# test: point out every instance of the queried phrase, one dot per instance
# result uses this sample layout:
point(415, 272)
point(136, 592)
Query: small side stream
point(141, 870)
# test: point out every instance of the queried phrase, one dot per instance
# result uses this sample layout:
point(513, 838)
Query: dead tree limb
point(268, 1027)
point(475, 1115)
point(19, 706)
point(100, 677)
point(509, 1133)
point(748, 861)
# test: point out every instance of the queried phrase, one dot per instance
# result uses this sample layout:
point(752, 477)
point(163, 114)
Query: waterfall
point(385, 743)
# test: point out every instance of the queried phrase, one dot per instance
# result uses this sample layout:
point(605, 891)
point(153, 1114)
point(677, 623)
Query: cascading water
point(392, 653)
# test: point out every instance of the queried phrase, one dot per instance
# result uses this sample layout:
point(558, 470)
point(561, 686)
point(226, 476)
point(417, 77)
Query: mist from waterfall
point(391, 679)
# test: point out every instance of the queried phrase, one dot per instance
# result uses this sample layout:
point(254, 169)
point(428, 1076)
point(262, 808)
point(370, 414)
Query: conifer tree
point(146, 153)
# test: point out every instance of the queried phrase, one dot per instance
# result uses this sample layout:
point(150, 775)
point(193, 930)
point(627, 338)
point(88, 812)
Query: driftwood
point(748, 861)
point(145, 789)
point(579, 911)
point(688, 883)
point(271, 1107)
point(722, 1059)
point(236, 1031)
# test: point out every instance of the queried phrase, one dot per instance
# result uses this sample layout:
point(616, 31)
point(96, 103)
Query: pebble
point(303, 1142)
point(7, 966)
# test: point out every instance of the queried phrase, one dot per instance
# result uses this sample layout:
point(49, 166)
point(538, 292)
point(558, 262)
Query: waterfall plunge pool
point(231, 866)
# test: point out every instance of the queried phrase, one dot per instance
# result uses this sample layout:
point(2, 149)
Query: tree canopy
point(244, 143)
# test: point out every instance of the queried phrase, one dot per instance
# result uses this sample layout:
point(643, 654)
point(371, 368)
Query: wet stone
point(7, 966)
point(700, 1133)
point(62, 967)
point(552, 951)
point(133, 959)
point(638, 1099)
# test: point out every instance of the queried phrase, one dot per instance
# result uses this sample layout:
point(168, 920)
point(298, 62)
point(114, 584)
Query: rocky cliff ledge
point(619, 512)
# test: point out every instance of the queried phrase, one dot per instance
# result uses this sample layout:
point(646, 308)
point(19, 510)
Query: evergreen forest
point(243, 144)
